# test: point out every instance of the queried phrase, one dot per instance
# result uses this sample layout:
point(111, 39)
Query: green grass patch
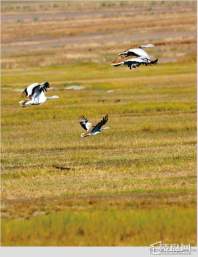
point(108, 227)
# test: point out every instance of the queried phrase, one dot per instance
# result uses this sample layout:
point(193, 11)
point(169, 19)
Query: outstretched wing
point(129, 52)
point(98, 126)
point(139, 52)
point(36, 89)
point(28, 90)
point(85, 123)
point(135, 52)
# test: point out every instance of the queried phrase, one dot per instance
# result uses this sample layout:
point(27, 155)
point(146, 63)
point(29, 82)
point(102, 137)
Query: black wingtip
point(106, 117)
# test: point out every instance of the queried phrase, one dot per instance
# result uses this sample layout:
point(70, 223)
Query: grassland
point(142, 166)
point(135, 184)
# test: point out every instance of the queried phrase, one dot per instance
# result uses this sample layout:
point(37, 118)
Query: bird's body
point(132, 62)
point(139, 57)
point(92, 130)
point(35, 94)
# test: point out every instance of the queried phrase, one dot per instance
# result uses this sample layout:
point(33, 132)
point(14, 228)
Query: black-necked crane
point(36, 94)
point(139, 56)
point(92, 130)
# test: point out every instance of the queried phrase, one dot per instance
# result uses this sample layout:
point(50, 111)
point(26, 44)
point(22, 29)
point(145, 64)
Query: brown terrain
point(36, 34)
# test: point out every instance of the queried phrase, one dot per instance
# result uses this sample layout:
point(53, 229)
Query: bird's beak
point(84, 135)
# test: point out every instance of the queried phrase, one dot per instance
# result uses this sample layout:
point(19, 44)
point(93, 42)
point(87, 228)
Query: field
point(134, 184)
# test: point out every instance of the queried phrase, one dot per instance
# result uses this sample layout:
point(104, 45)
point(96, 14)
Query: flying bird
point(92, 130)
point(140, 56)
point(35, 94)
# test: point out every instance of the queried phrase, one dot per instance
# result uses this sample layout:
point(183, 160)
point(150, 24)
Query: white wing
point(30, 88)
point(139, 52)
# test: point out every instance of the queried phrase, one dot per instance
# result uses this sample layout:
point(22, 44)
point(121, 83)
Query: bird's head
point(46, 85)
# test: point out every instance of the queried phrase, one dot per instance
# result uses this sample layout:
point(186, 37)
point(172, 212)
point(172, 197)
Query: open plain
point(134, 184)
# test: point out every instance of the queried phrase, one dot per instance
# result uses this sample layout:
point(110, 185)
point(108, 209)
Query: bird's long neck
point(85, 134)
point(52, 97)
point(105, 128)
